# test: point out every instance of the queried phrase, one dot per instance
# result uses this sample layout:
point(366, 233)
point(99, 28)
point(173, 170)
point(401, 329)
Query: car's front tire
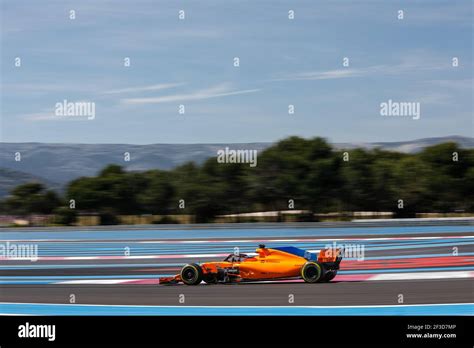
point(191, 274)
point(312, 272)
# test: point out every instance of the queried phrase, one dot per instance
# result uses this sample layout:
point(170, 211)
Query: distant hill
point(57, 164)
point(11, 178)
point(63, 162)
point(413, 146)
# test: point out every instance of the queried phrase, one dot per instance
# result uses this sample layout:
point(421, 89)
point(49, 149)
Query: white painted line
point(264, 239)
point(422, 275)
point(96, 281)
point(141, 306)
point(467, 218)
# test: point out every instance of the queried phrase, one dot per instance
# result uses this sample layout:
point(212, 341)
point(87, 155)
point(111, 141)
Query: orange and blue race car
point(269, 264)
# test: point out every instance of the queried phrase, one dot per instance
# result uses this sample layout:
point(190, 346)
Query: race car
point(268, 264)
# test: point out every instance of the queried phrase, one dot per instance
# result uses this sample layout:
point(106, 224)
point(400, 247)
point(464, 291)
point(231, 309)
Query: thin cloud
point(44, 115)
point(330, 74)
point(212, 92)
point(406, 66)
point(465, 85)
point(157, 87)
point(325, 75)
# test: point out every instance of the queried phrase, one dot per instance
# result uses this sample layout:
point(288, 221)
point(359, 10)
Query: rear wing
point(330, 255)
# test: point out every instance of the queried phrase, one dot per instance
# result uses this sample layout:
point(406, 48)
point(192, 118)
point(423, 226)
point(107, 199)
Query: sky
point(190, 62)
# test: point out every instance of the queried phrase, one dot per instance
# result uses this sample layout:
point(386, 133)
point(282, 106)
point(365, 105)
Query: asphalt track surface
point(430, 264)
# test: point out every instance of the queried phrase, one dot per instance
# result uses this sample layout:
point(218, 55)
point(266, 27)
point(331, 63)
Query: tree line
point(308, 172)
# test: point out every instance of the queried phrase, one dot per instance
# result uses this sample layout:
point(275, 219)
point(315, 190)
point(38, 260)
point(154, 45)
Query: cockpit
point(236, 258)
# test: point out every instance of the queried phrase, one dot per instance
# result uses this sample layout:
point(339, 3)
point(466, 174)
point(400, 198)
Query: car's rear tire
point(191, 274)
point(328, 276)
point(312, 272)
